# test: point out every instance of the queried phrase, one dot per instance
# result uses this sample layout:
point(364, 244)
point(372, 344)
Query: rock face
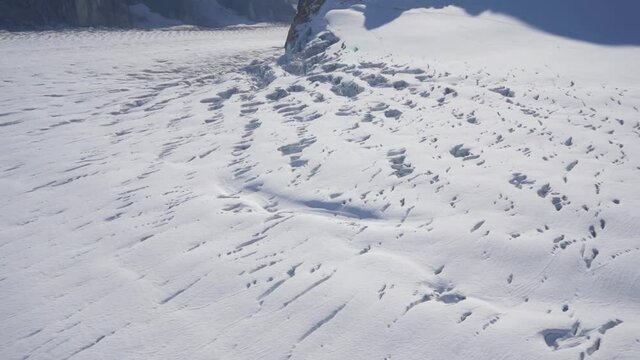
point(305, 11)
point(38, 13)
point(262, 10)
point(116, 13)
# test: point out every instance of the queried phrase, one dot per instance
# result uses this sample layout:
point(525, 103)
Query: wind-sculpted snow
point(191, 195)
point(608, 22)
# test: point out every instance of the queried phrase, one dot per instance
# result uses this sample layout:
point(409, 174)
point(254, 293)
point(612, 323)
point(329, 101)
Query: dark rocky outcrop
point(305, 11)
point(307, 44)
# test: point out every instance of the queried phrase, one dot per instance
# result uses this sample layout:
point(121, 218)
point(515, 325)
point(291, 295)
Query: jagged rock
point(298, 31)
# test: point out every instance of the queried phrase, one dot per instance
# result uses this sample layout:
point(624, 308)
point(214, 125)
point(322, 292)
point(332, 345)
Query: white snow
point(442, 185)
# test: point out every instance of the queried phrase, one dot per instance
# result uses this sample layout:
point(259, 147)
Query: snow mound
point(560, 37)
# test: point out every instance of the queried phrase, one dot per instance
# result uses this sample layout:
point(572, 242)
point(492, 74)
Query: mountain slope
point(40, 13)
point(25, 14)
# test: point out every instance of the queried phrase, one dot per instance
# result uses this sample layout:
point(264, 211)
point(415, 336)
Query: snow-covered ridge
point(596, 21)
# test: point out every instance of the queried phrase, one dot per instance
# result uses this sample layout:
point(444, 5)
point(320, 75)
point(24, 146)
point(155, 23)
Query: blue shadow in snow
point(337, 208)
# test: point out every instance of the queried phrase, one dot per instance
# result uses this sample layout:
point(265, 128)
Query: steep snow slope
point(400, 189)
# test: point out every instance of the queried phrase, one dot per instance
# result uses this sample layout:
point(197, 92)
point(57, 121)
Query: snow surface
point(442, 185)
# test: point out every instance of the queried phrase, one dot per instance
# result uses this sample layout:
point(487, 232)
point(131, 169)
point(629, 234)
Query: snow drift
point(597, 21)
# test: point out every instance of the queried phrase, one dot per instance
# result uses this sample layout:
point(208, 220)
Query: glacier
point(406, 180)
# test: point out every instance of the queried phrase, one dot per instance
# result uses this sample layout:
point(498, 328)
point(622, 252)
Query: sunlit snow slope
point(426, 184)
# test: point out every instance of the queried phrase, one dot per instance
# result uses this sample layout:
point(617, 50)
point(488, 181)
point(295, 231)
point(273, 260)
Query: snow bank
point(552, 36)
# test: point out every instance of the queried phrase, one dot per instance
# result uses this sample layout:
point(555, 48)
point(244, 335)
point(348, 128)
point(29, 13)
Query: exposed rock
point(306, 10)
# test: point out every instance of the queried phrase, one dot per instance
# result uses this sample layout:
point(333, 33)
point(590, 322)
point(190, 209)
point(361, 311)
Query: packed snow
point(435, 184)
